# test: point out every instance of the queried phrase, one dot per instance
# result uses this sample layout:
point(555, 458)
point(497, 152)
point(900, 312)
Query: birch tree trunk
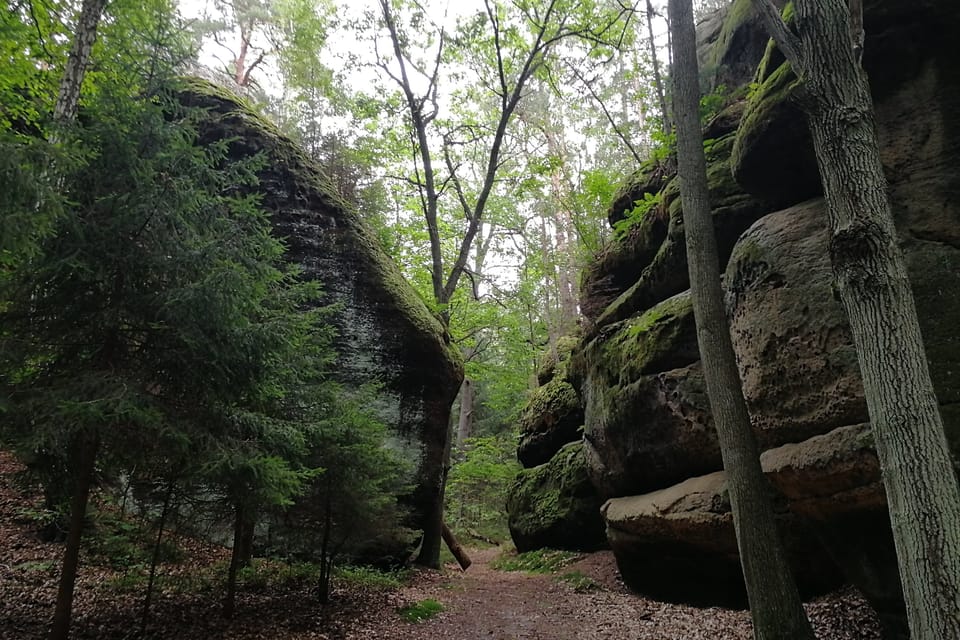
point(774, 601)
point(68, 97)
point(871, 277)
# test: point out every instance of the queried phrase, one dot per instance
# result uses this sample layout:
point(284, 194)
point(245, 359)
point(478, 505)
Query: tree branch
point(788, 43)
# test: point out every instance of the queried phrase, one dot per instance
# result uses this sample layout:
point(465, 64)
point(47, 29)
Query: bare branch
point(788, 43)
point(603, 107)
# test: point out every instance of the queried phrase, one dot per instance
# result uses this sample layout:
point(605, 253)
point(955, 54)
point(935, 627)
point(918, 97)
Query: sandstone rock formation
point(648, 440)
point(554, 505)
point(385, 334)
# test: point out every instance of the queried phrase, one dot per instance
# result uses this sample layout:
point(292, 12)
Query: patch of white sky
point(354, 60)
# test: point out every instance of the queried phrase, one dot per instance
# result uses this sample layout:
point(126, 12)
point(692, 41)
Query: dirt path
point(488, 604)
point(481, 604)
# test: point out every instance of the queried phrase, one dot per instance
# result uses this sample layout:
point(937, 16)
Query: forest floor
point(584, 600)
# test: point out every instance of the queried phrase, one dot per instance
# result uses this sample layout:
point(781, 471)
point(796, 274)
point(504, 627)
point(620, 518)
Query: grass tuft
point(420, 611)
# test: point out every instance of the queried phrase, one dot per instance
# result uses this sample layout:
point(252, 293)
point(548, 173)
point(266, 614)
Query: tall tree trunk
point(86, 457)
point(465, 423)
point(245, 540)
point(155, 559)
point(871, 277)
point(774, 602)
point(68, 97)
point(657, 77)
point(429, 555)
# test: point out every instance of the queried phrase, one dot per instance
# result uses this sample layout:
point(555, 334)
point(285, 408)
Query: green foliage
point(369, 578)
point(38, 566)
point(420, 611)
point(581, 583)
point(477, 486)
point(712, 103)
point(263, 574)
point(641, 208)
point(536, 561)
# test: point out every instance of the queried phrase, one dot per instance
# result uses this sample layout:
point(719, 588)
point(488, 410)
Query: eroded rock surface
point(555, 505)
point(385, 334)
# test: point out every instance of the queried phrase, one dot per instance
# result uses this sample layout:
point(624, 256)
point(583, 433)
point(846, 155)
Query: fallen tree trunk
point(458, 551)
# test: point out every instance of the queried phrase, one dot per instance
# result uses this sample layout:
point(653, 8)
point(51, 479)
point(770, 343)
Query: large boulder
point(648, 433)
point(554, 505)
point(679, 544)
point(385, 333)
point(794, 349)
point(553, 415)
point(796, 356)
point(730, 44)
point(833, 482)
point(550, 419)
point(909, 56)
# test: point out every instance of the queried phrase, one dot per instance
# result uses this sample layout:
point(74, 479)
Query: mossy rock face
point(773, 156)
point(554, 505)
point(662, 338)
point(553, 362)
point(648, 179)
point(385, 333)
point(622, 262)
point(665, 274)
point(551, 419)
point(648, 433)
point(796, 355)
point(729, 55)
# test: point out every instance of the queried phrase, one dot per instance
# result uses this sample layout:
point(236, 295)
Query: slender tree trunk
point(230, 598)
point(465, 423)
point(245, 540)
point(774, 602)
point(657, 77)
point(65, 109)
point(871, 277)
point(326, 555)
point(429, 555)
point(86, 457)
point(155, 559)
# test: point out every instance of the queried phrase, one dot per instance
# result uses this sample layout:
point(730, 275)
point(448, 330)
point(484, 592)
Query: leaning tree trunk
point(455, 547)
point(871, 277)
point(774, 601)
point(86, 456)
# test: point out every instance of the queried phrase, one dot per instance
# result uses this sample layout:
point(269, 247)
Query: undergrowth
point(420, 611)
point(537, 561)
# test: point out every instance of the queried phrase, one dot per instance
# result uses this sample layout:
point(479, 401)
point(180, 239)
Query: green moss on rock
point(772, 155)
point(659, 339)
point(554, 505)
point(553, 362)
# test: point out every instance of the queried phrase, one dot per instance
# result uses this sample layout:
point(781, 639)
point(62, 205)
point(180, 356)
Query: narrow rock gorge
point(647, 442)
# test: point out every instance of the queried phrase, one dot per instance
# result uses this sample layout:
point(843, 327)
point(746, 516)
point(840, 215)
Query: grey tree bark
point(774, 601)
point(465, 422)
point(871, 277)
